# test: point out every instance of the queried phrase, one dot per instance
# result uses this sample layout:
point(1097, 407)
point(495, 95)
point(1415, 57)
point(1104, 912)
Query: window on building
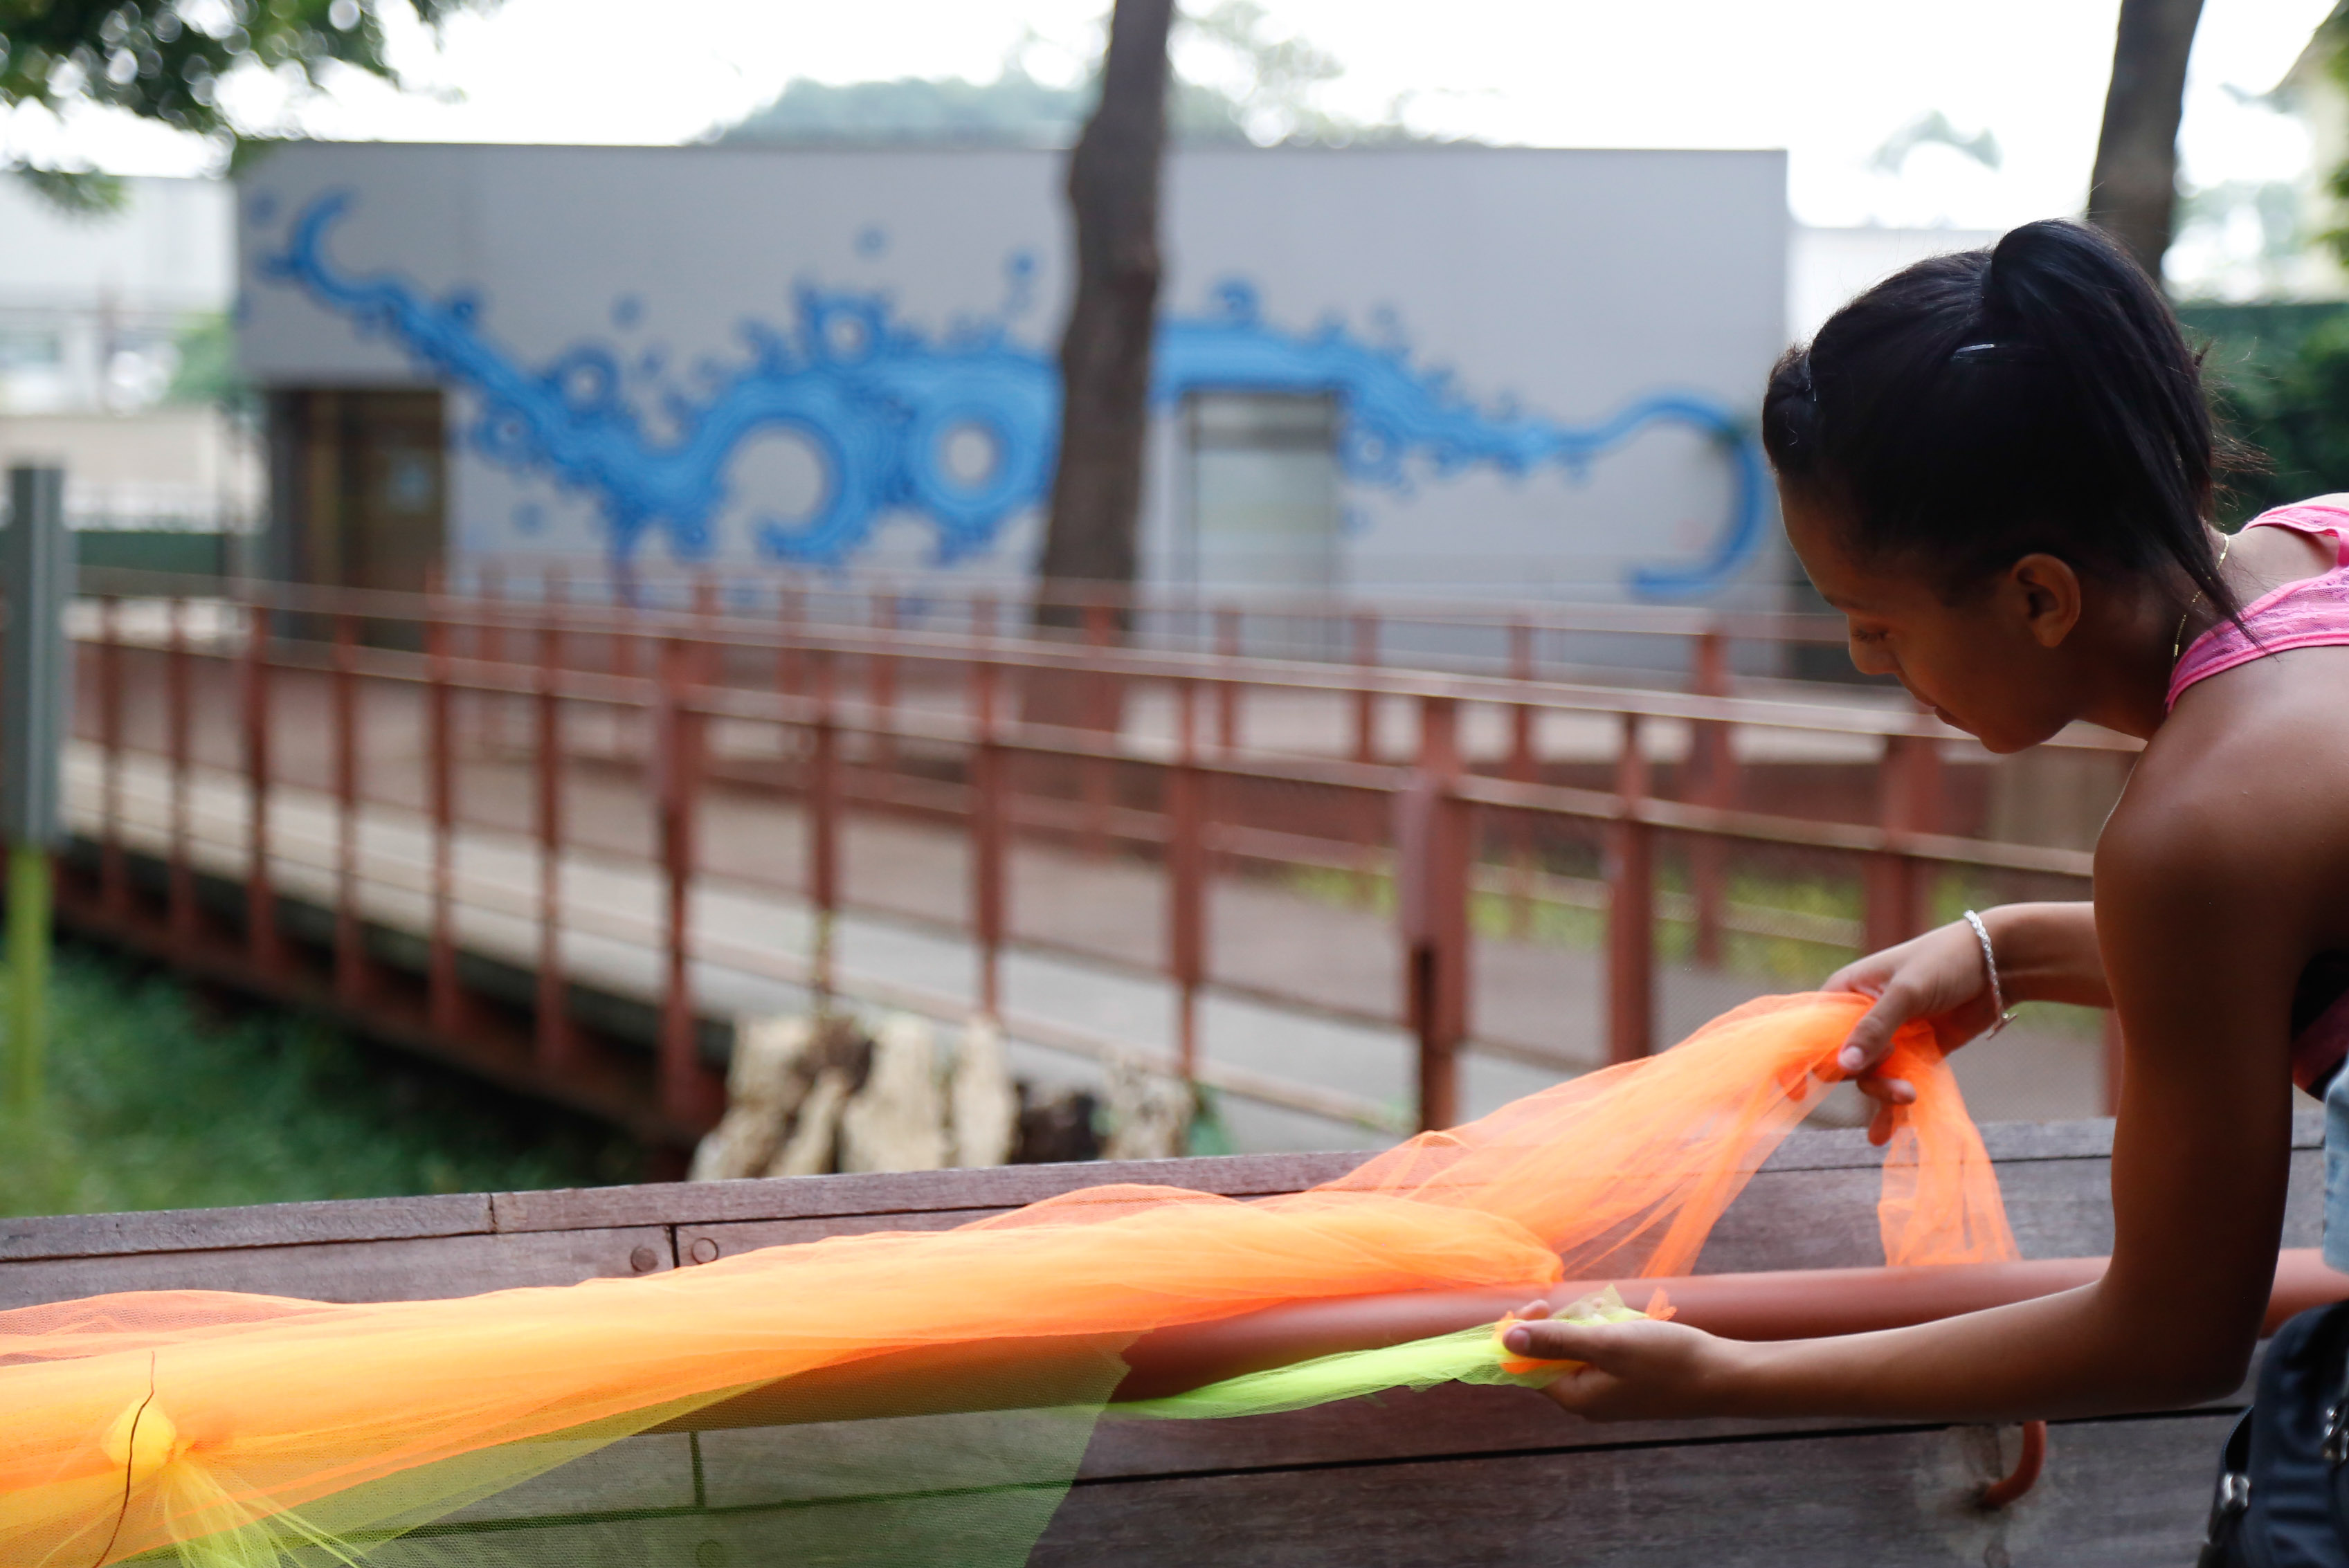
point(1263, 489)
point(30, 349)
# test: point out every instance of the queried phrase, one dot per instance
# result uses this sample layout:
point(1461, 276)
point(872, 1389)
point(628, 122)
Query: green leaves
point(165, 59)
point(80, 192)
point(2279, 378)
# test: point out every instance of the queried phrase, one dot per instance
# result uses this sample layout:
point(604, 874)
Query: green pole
point(36, 571)
point(29, 974)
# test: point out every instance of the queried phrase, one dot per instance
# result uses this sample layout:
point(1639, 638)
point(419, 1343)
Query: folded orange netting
point(249, 1430)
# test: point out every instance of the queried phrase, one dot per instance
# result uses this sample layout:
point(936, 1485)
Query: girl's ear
point(2045, 592)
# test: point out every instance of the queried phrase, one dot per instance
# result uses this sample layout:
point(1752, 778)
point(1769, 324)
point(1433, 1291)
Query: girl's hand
point(1937, 977)
point(1631, 1371)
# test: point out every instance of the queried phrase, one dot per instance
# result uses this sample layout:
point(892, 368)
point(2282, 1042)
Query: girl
point(1999, 466)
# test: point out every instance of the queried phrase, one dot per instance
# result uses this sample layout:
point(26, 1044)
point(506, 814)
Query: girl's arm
point(2191, 911)
point(2046, 952)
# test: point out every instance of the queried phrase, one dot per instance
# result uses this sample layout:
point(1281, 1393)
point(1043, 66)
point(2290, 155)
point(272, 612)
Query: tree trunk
point(1113, 180)
point(2134, 190)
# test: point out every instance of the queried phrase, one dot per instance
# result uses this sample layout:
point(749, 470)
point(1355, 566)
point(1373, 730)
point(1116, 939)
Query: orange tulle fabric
point(135, 1421)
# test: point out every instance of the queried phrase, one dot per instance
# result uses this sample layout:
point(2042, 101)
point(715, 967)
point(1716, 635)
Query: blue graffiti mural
point(881, 402)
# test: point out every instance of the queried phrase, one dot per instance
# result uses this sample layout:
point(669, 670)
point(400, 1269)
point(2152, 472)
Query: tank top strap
point(2313, 612)
point(2326, 515)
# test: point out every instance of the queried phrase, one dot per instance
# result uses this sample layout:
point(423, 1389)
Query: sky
point(1829, 80)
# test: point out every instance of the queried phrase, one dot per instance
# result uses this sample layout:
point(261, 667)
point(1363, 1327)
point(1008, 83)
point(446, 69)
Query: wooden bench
point(1452, 1476)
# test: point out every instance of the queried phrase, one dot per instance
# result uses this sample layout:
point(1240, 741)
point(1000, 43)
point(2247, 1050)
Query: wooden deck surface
point(1453, 1476)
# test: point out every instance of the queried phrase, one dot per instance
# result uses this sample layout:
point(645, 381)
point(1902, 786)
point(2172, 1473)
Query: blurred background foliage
point(159, 1102)
point(155, 63)
point(2279, 380)
point(2278, 371)
point(1237, 81)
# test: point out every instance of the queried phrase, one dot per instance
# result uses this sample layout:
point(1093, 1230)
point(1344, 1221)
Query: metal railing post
point(1630, 908)
point(181, 878)
point(792, 612)
point(690, 1093)
point(1432, 900)
point(260, 895)
point(554, 1039)
point(114, 871)
point(1908, 786)
point(881, 694)
point(352, 973)
point(1519, 767)
point(486, 644)
point(1714, 783)
point(987, 882)
point(1227, 693)
point(1099, 707)
point(823, 827)
point(1186, 878)
point(443, 1005)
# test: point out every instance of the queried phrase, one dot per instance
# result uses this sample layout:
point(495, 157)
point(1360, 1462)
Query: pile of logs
point(810, 1095)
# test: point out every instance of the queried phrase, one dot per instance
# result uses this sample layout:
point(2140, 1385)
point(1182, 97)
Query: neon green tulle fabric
point(1470, 1355)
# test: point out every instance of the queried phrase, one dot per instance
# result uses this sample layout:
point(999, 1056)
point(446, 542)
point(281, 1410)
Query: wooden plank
point(422, 1269)
point(1451, 1420)
point(2117, 1493)
point(914, 1192)
point(650, 1473)
point(905, 1529)
point(260, 1225)
point(2059, 1208)
point(766, 1466)
point(1806, 1217)
point(2012, 1144)
point(707, 1243)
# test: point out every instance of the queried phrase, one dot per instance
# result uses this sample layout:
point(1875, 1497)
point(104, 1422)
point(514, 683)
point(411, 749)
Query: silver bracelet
point(1990, 966)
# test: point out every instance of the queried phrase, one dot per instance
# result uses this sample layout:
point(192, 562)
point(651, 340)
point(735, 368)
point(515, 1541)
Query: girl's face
point(1994, 665)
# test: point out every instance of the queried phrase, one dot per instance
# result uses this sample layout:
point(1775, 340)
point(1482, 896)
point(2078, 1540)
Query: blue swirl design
point(879, 401)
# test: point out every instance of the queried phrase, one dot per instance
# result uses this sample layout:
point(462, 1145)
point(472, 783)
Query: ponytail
point(1977, 408)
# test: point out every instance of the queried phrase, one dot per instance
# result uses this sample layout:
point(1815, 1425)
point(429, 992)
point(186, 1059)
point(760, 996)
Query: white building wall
point(90, 305)
point(1565, 290)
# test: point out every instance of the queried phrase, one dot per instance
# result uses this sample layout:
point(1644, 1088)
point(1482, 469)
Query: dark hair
point(1976, 407)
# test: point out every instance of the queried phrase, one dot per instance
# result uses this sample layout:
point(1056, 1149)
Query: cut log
point(984, 1104)
point(763, 1090)
point(1149, 1114)
point(897, 1121)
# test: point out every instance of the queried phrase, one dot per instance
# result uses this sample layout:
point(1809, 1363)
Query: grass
point(1789, 962)
point(1782, 960)
point(155, 1100)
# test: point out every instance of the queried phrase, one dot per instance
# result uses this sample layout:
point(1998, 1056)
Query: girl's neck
point(2138, 634)
point(2149, 634)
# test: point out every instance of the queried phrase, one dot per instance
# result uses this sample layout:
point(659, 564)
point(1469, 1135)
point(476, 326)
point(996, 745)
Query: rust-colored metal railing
point(1492, 633)
point(486, 729)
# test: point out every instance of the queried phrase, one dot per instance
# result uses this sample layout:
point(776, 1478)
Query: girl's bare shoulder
point(2242, 789)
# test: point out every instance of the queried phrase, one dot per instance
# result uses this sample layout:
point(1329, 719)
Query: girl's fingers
point(1888, 1090)
point(1533, 1311)
point(1865, 976)
point(1871, 1037)
point(1551, 1340)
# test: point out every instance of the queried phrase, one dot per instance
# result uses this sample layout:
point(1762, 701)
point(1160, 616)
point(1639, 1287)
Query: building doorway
point(360, 482)
point(1264, 512)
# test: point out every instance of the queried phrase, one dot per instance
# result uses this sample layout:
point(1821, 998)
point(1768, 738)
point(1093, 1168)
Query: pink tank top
point(2310, 614)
